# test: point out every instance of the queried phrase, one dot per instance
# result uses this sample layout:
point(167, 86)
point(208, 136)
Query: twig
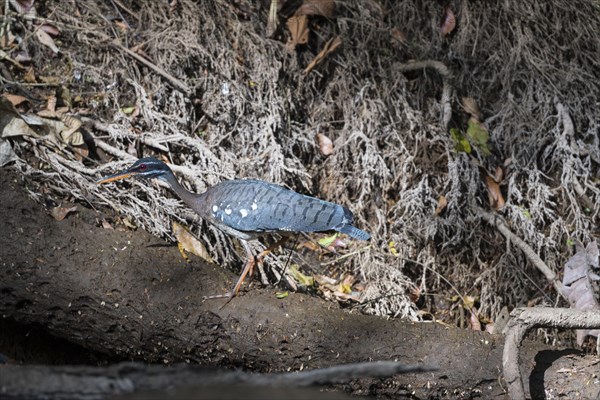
point(345, 256)
point(531, 255)
point(176, 82)
point(523, 320)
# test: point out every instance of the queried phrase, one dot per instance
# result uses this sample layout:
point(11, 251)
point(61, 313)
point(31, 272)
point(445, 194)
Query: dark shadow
point(544, 360)
point(32, 344)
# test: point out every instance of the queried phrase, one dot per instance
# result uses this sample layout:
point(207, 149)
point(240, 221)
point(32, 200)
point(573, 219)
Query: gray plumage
point(249, 208)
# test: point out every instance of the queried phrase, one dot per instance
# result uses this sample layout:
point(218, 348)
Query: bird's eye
point(143, 167)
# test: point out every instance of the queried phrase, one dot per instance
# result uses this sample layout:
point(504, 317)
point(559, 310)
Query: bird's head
point(148, 167)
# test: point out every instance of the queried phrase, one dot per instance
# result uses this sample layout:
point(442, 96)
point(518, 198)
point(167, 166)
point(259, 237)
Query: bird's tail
point(355, 232)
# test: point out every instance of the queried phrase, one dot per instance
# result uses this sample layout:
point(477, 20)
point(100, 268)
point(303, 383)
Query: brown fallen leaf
point(470, 106)
point(60, 213)
point(474, 320)
point(312, 246)
point(81, 151)
point(187, 241)
point(46, 40)
point(107, 225)
point(325, 144)
point(329, 47)
point(494, 194)
point(298, 27)
point(442, 203)
point(121, 25)
point(498, 174)
point(398, 37)
point(15, 99)
point(325, 8)
point(50, 29)
point(29, 76)
point(448, 22)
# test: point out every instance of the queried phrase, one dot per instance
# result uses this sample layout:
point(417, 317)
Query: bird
point(247, 209)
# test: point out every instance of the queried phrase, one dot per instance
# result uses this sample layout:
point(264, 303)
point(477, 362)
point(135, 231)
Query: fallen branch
point(531, 255)
point(522, 321)
point(174, 81)
point(81, 382)
point(446, 75)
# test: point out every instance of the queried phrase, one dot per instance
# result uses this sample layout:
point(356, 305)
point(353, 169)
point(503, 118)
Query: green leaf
point(461, 144)
point(282, 295)
point(127, 110)
point(326, 241)
point(479, 135)
point(303, 280)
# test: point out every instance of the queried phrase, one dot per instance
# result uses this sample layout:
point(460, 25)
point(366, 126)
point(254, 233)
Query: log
point(178, 381)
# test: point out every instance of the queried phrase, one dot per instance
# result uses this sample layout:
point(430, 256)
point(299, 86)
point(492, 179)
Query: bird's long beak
point(116, 177)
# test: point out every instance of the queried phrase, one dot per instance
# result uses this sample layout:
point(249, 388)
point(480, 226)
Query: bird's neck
point(188, 197)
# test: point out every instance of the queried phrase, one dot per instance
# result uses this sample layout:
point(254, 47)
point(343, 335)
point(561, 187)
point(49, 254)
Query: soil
point(59, 261)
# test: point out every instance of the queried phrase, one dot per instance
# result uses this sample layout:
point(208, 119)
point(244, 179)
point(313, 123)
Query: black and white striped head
point(148, 168)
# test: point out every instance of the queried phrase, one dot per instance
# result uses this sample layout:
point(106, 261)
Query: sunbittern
point(247, 209)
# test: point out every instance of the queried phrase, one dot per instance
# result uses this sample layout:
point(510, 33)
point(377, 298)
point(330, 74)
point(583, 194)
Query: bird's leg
point(268, 250)
point(264, 253)
point(250, 263)
point(248, 269)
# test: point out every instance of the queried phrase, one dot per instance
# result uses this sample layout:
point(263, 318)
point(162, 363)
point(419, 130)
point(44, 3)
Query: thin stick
point(531, 255)
point(174, 81)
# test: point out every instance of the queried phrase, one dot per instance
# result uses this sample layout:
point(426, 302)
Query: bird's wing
point(257, 206)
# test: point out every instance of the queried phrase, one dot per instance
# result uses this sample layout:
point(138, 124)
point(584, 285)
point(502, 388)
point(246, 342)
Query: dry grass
point(532, 68)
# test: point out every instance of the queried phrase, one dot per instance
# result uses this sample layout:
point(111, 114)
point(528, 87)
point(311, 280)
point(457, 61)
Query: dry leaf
point(325, 8)
point(498, 174)
point(470, 106)
point(121, 25)
point(50, 29)
point(336, 244)
point(11, 122)
point(442, 203)
point(494, 194)
point(29, 76)
point(474, 320)
point(187, 241)
point(107, 225)
point(59, 213)
point(398, 37)
point(448, 22)
point(415, 294)
point(7, 154)
point(46, 40)
point(14, 99)
point(329, 47)
point(325, 144)
point(81, 152)
point(22, 6)
point(298, 27)
point(272, 20)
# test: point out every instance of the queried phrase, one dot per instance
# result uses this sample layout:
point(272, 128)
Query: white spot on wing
point(228, 211)
point(254, 206)
point(244, 212)
point(215, 208)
